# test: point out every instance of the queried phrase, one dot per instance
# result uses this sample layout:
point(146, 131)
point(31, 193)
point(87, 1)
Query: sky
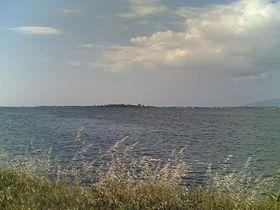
point(153, 52)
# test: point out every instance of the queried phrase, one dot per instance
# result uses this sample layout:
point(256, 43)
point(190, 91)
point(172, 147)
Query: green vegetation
point(20, 191)
point(125, 182)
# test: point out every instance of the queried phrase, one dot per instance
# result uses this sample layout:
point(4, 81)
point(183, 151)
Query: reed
point(117, 179)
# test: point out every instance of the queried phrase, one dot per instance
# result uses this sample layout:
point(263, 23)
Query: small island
point(122, 106)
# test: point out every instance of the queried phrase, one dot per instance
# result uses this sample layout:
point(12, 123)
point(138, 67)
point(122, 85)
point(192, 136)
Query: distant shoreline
point(140, 106)
point(123, 106)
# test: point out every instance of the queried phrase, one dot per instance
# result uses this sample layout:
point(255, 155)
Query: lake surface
point(211, 134)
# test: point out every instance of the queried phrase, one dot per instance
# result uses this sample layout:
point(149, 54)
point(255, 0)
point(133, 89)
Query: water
point(211, 134)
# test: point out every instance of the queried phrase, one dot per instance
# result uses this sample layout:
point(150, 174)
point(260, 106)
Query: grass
point(20, 191)
point(125, 182)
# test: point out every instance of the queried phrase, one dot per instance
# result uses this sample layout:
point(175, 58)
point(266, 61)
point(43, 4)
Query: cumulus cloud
point(36, 30)
point(241, 39)
point(139, 8)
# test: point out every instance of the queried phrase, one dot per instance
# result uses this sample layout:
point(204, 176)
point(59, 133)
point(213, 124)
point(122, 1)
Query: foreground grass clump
point(20, 191)
point(122, 181)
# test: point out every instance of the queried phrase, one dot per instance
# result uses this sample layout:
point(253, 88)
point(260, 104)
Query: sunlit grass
point(116, 179)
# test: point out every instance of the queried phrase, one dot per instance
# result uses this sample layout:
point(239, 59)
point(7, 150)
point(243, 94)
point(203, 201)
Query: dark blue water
point(211, 134)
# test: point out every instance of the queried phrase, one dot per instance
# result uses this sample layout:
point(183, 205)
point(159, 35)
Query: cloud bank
point(36, 30)
point(241, 39)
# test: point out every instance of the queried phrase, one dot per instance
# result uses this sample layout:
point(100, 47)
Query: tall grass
point(116, 179)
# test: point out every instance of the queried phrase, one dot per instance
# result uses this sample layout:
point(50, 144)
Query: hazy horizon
point(152, 52)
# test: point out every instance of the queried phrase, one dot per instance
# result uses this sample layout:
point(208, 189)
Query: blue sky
point(158, 52)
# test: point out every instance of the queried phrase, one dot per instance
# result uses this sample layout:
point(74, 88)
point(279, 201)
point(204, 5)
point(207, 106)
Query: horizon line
point(136, 106)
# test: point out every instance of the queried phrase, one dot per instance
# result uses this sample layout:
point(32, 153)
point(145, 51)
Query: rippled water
point(211, 134)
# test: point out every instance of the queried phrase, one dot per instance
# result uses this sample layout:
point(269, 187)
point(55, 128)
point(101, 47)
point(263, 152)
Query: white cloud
point(241, 39)
point(87, 45)
point(139, 8)
point(67, 10)
point(36, 30)
point(74, 63)
point(102, 46)
point(190, 12)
